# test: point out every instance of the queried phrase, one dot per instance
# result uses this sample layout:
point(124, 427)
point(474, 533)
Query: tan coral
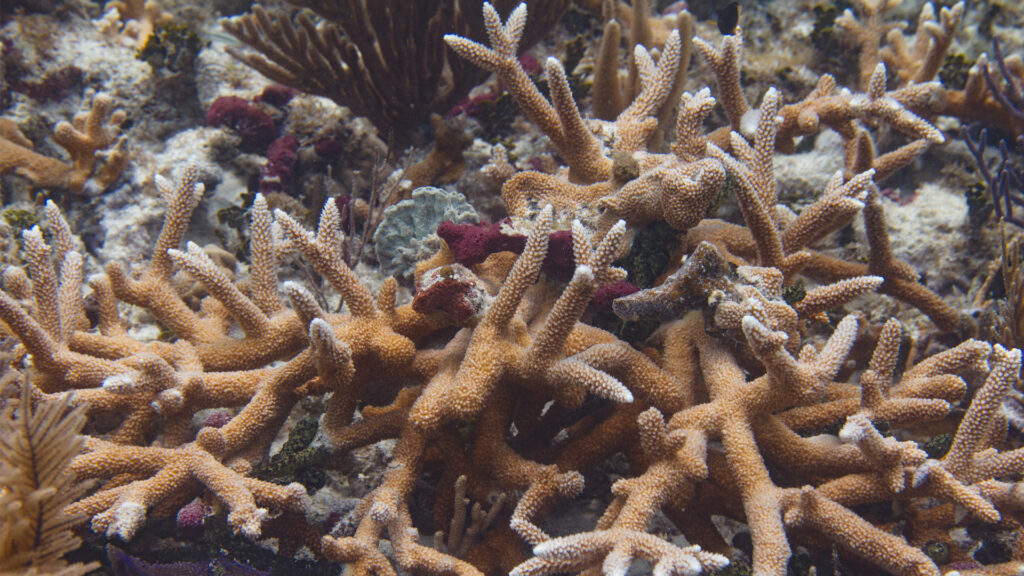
point(726, 412)
point(97, 154)
point(559, 119)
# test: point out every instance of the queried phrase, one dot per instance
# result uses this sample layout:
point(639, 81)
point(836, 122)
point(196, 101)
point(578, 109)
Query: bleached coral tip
point(688, 566)
point(853, 431)
point(751, 324)
point(1012, 355)
point(127, 519)
point(380, 512)
point(298, 496)
point(319, 328)
point(118, 383)
point(583, 272)
point(748, 123)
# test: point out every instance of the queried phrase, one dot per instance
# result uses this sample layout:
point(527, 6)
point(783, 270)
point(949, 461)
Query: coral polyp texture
point(722, 324)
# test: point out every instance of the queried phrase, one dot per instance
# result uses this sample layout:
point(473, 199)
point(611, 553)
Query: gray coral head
point(408, 231)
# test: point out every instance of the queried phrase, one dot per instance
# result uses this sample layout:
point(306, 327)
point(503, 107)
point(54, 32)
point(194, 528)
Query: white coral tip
point(381, 512)
point(874, 280)
point(620, 394)
point(320, 329)
point(583, 273)
point(122, 383)
point(549, 548)
point(853, 431)
point(617, 562)
point(162, 184)
point(33, 234)
point(749, 122)
point(127, 519)
point(685, 566)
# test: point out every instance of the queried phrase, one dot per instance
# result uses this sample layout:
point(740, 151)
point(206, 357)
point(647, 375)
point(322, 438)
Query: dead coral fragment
point(704, 272)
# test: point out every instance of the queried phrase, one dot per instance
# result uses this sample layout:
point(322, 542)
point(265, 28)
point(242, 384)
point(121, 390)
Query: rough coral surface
point(776, 415)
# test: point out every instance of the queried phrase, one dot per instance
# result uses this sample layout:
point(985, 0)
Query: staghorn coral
point(759, 399)
point(916, 62)
point(679, 187)
point(524, 349)
point(97, 154)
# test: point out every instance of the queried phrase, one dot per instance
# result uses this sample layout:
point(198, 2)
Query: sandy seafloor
point(58, 55)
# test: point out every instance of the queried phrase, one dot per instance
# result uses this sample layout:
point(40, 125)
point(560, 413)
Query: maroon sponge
point(471, 244)
point(255, 126)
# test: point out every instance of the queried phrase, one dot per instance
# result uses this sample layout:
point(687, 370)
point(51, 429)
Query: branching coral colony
point(725, 415)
